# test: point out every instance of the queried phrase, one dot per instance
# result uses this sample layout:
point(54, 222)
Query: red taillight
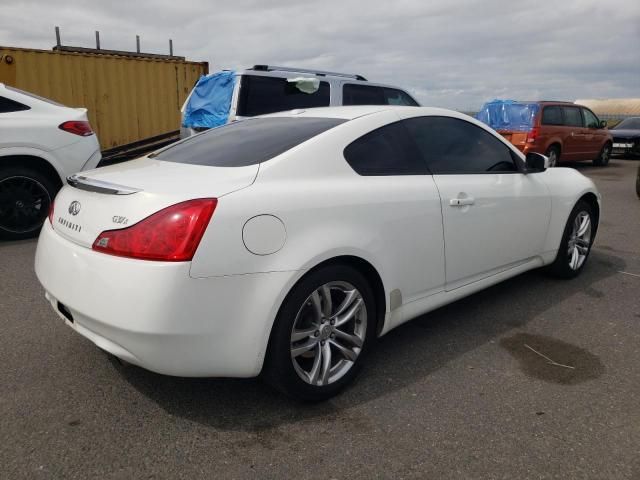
point(77, 127)
point(51, 212)
point(532, 135)
point(170, 235)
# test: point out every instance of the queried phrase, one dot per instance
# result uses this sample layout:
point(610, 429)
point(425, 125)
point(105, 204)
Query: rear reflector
point(171, 235)
point(77, 127)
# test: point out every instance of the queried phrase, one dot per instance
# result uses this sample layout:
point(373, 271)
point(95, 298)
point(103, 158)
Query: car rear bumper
point(154, 315)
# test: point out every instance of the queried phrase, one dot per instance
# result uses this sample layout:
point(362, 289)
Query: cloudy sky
point(449, 53)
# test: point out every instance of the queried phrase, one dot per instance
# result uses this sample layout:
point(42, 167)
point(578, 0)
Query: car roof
point(351, 112)
point(290, 72)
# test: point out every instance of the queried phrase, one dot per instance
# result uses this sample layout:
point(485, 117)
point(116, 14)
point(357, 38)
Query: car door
point(408, 219)
point(595, 135)
point(494, 216)
point(574, 145)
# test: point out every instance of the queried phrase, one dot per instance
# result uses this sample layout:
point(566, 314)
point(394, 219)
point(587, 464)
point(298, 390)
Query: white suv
point(226, 96)
point(41, 144)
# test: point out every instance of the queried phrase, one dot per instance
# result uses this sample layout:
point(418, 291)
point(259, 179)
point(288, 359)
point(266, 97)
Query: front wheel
point(321, 334)
point(577, 239)
point(602, 160)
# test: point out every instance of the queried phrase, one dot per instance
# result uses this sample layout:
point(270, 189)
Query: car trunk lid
point(121, 195)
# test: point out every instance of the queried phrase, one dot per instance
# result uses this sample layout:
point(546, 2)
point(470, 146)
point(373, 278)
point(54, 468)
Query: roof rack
point(320, 73)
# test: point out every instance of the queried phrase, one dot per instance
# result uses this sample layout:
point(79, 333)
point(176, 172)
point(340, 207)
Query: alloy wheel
point(328, 333)
point(24, 204)
point(579, 240)
point(553, 158)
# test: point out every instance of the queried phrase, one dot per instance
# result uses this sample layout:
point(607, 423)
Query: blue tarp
point(508, 115)
point(210, 101)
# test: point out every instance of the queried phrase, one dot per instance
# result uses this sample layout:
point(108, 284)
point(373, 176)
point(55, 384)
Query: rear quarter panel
point(328, 210)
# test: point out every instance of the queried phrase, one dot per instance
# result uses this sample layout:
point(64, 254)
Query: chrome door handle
point(461, 202)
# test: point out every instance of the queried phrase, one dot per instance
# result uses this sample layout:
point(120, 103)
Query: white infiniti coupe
point(284, 245)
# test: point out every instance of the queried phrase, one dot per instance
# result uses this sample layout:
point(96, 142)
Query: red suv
point(561, 130)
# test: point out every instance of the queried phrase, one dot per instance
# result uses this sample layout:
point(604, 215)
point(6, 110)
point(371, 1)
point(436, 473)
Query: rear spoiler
point(99, 186)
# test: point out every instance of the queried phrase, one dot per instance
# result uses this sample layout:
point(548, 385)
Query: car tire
point(553, 153)
point(308, 326)
point(575, 247)
point(25, 198)
point(602, 160)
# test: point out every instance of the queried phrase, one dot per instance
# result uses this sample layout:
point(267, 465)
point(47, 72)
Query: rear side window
point(572, 117)
point(451, 145)
point(7, 105)
point(262, 95)
point(247, 142)
point(369, 95)
point(386, 151)
point(552, 115)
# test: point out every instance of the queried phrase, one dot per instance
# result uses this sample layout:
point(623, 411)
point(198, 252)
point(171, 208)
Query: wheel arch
point(592, 200)
point(555, 143)
point(372, 276)
point(35, 162)
point(358, 263)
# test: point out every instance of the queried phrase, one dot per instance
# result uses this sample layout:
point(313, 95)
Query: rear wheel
point(322, 332)
point(553, 153)
point(25, 198)
point(602, 160)
point(577, 239)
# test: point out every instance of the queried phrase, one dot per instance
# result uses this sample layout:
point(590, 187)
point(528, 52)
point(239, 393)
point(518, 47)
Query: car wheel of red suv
point(603, 157)
point(554, 156)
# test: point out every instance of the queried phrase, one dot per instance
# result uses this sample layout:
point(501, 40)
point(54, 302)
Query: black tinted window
point(368, 95)
point(450, 145)
point(33, 95)
point(398, 97)
point(7, 105)
point(572, 117)
point(261, 95)
point(629, 123)
point(590, 119)
point(386, 151)
point(552, 116)
point(247, 142)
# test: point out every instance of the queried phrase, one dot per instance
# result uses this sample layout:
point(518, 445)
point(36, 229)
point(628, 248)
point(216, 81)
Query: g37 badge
point(120, 220)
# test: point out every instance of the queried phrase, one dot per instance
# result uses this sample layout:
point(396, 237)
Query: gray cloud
point(454, 54)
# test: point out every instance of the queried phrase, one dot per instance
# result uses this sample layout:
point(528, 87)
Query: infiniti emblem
point(74, 207)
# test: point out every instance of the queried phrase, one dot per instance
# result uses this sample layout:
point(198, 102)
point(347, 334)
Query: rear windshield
point(629, 124)
point(247, 142)
point(262, 95)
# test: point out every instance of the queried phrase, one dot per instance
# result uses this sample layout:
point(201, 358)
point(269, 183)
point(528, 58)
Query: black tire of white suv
point(26, 195)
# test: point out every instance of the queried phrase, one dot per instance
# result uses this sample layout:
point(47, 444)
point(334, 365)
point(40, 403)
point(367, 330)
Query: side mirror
point(536, 162)
point(603, 124)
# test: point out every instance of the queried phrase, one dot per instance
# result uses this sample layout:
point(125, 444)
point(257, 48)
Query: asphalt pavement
point(458, 393)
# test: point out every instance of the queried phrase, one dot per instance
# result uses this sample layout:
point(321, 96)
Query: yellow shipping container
point(130, 98)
